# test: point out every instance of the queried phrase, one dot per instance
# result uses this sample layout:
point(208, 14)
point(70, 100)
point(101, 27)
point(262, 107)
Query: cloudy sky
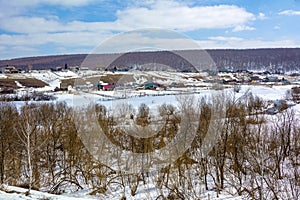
point(50, 27)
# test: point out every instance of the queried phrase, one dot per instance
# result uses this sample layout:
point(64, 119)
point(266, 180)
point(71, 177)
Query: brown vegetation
point(258, 157)
point(27, 82)
point(281, 59)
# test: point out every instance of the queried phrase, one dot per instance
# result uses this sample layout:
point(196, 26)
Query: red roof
point(106, 86)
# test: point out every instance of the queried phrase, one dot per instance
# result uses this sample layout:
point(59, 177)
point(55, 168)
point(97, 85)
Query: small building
point(212, 72)
point(255, 79)
point(83, 68)
point(104, 86)
point(151, 85)
point(74, 68)
point(107, 87)
point(270, 79)
point(56, 69)
point(285, 81)
point(64, 86)
point(12, 70)
point(296, 94)
point(224, 70)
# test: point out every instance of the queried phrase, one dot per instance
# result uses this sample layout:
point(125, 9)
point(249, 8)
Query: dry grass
point(69, 81)
point(27, 82)
point(108, 78)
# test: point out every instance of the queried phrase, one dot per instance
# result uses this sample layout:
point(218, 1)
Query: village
point(81, 78)
point(57, 84)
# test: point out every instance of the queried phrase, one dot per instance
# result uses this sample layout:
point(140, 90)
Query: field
point(26, 82)
point(150, 135)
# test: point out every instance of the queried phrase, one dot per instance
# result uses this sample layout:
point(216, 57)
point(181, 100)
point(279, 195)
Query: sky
point(51, 27)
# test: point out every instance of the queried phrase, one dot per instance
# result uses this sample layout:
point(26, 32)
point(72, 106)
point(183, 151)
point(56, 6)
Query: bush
point(27, 97)
point(296, 94)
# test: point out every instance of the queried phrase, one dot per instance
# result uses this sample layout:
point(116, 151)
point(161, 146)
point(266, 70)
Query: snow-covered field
point(193, 83)
point(145, 192)
point(152, 98)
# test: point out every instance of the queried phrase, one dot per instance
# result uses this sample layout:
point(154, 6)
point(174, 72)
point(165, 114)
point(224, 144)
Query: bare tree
point(27, 132)
point(8, 118)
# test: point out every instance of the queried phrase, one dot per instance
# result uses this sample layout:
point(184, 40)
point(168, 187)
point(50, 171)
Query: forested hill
point(283, 59)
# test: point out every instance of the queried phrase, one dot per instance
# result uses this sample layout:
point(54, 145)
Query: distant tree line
point(274, 60)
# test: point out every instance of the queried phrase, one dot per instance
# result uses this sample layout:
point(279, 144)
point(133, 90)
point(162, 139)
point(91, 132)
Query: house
point(121, 69)
point(74, 68)
point(58, 69)
point(273, 78)
point(285, 81)
point(107, 87)
point(212, 72)
point(12, 70)
point(296, 94)
point(173, 84)
point(270, 79)
point(255, 79)
point(104, 86)
point(151, 85)
point(83, 68)
point(224, 70)
point(64, 86)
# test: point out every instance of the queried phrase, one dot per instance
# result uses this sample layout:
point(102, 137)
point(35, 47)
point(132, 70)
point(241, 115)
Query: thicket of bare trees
point(254, 155)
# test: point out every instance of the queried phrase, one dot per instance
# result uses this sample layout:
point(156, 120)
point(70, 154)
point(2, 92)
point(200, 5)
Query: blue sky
point(50, 27)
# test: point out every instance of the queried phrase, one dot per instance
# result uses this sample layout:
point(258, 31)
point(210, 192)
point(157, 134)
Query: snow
point(148, 191)
point(266, 92)
point(17, 193)
point(297, 110)
point(48, 77)
point(152, 98)
point(19, 84)
point(66, 74)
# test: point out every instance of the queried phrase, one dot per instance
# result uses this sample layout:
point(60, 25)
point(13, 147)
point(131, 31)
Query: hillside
point(281, 59)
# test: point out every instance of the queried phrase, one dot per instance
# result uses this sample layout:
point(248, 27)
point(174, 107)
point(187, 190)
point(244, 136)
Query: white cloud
point(32, 31)
point(18, 7)
point(242, 28)
point(173, 15)
point(154, 39)
point(65, 2)
point(159, 14)
point(28, 45)
point(29, 25)
point(289, 12)
point(277, 27)
point(63, 39)
point(25, 3)
point(18, 51)
point(222, 38)
point(261, 16)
